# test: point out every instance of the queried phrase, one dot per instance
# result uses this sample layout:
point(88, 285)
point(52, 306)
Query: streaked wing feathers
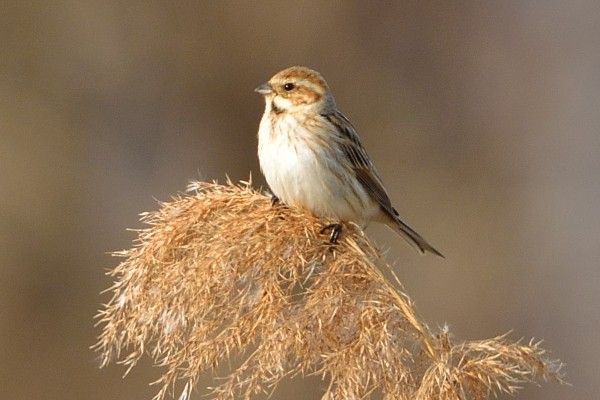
point(369, 178)
point(360, 161)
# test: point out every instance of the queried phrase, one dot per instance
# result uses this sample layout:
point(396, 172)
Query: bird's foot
point(336, 230)
point(274, 200)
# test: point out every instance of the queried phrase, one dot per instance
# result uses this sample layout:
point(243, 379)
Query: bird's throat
point(274, 109)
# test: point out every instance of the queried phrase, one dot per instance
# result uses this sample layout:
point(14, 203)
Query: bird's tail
point(411, 236)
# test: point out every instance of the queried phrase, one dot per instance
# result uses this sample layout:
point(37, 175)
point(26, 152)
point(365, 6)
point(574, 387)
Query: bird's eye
point(288, 86)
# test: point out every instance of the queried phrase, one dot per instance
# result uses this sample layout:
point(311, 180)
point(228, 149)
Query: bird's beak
point(264, 89)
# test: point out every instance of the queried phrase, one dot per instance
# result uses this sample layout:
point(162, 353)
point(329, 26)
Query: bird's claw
point(336, 230)
point(274, 200)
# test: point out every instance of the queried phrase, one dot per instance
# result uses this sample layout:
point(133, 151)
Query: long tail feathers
point(412, 237)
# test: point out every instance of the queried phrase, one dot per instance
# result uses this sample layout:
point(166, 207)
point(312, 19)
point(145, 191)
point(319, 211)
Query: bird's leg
point(336, 230)
point(274, 199)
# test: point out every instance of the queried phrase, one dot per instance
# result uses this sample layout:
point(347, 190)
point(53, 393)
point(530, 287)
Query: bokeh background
point(482, 118)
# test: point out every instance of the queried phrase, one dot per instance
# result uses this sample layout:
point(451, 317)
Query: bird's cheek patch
point(305, 96)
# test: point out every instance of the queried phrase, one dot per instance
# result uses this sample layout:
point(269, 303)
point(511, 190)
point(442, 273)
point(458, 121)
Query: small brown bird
point(312, 157)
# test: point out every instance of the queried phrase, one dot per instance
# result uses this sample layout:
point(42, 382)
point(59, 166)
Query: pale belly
point(309, 177)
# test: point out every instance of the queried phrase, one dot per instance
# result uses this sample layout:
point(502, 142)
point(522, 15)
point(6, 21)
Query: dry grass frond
point(222, 273)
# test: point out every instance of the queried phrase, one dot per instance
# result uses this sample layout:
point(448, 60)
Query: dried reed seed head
point(222, 271)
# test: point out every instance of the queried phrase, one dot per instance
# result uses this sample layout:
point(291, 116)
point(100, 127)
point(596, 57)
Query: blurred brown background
point(482, 119)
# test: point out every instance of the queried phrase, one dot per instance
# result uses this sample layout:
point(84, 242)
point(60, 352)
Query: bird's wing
point(361, 163)
point(368, 177)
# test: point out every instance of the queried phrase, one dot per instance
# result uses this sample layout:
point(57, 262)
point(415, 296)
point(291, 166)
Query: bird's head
point(297, 89)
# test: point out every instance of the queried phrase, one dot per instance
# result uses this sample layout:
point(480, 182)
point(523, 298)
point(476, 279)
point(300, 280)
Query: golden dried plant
point(221, 274)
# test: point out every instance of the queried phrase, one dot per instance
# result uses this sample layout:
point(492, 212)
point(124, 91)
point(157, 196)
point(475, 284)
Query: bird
point(312, 157)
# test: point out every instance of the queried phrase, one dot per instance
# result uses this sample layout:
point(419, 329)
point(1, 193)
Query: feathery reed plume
point(222, 272)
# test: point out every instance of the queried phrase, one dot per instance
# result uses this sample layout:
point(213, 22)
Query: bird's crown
point(296, 87)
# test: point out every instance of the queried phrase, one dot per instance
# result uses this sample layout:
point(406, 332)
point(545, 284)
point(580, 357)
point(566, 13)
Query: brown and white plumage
point(312, 156)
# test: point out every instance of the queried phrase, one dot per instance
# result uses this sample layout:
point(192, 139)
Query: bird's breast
point(304, 169)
